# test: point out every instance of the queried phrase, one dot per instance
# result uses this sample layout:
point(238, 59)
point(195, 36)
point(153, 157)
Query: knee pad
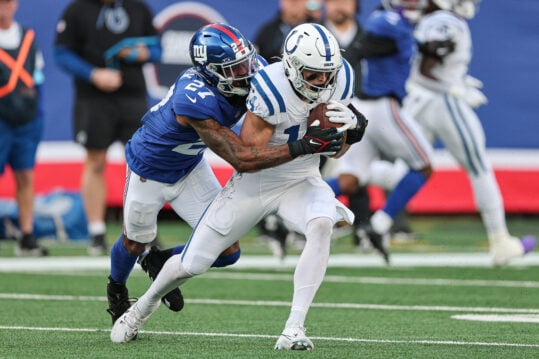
point(141, 222)
point(197, 264)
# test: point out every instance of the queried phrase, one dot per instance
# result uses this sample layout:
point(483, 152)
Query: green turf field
point(403, 311)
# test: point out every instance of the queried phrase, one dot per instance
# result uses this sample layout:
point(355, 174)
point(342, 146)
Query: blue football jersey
point(162, 149)
point(387, 75)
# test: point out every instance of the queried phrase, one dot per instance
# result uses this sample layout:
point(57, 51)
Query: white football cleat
point(293, 338)
point(126, 328)
point(502, 251)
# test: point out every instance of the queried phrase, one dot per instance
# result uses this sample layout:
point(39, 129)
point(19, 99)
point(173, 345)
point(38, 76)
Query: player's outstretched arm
point(250, 153)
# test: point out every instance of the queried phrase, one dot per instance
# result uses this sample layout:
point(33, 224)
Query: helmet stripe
point(349, 82)
point(230, 34)
point(326, 41)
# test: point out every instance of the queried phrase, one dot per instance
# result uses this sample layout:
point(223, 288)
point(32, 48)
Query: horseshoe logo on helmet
point(295, 46)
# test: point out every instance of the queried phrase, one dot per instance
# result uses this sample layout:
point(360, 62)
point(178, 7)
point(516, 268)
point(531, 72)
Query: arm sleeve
point(72, 63)
point(155, 52)
point(379, 38)
point(67, 45)
point(373, 45)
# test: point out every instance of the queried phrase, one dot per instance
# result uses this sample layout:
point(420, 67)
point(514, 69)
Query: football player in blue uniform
point(282, 95)
point(165, 156)
point(387, 50)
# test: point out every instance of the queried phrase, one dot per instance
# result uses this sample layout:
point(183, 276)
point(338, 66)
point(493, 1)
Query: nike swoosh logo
point(313, 142)
point(193, 100)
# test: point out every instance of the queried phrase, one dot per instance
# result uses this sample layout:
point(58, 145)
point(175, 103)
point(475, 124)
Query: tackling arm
point(249, 152)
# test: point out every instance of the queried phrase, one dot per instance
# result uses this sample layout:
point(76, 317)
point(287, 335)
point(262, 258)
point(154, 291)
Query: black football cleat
point(152, 263)
point(377, 241)
point(118, 298)
point(28, 247)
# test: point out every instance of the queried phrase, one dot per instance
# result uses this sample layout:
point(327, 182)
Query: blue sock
point(223, 261)
point(121, 262)
point(408, 186)
point(178, 249)
point(334, 184)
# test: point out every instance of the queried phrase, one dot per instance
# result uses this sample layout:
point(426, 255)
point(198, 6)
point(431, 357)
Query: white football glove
point(339, 113)
point(470, 92)
point(475, 97)
point(471, 81)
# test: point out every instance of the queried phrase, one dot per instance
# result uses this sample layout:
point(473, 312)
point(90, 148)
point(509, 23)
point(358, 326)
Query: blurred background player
point(165, 156)
point(281, 98)
point(341, 18)
point(442, 99)
point(387, 49)
point(21, 117)
point(103, 45)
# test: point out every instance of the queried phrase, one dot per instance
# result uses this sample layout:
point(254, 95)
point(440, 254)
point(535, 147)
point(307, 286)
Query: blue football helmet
point(224, 57)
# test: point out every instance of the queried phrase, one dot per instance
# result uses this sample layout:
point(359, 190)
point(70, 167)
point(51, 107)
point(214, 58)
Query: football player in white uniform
point(442, 99)
point(282, 94)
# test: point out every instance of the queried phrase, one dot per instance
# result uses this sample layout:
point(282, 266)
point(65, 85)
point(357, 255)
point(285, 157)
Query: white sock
point(490, 203)
point(311, 268)
point(97, 228)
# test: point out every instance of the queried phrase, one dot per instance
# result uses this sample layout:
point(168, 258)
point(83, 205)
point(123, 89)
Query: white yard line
point(72, 264)
point(264, 303)
point(267, 336)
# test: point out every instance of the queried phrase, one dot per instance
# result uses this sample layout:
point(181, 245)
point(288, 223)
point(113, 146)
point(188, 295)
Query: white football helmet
point(465, 8)
point(409, 9)
point(311, 47)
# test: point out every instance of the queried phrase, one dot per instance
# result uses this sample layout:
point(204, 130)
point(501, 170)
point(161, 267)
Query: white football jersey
point(439, 26)
point(273, 98)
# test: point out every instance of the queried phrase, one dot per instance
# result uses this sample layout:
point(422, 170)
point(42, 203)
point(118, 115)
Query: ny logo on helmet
point(200, 53)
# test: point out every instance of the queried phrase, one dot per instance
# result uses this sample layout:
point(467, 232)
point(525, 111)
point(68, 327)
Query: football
point(319, 113)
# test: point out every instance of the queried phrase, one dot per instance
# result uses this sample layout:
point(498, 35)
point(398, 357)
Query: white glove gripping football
point(341, 114)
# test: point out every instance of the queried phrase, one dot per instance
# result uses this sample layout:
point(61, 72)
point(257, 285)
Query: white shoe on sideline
point(293, 338)
point(126, 328)
point(502, 251)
